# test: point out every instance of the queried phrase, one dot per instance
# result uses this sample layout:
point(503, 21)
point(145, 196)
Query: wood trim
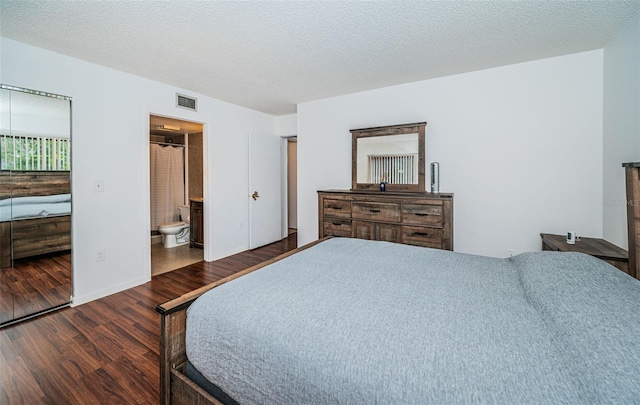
point(447, 226)
point(632, 176)
point(402, 129)
point(354, 162)
point(173, 325)
point(391, 129)
point(187, 299)
point(421, 158)
point(187, 392)
point(172, 349)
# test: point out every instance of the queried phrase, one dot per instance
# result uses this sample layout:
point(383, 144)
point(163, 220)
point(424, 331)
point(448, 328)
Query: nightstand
point(599, 248)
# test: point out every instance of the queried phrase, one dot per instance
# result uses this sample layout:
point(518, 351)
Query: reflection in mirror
point(393, 154)
point(392, 159)
point(35, 203)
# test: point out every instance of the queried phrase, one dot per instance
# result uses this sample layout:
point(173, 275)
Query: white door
point(265, 189)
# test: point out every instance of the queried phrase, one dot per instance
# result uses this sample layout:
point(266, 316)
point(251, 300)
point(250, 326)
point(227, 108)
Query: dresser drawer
point(422, 214)
point(419, 236)
point(337, 208)
point(421, 219)
point(337, 227)
point(376, 211)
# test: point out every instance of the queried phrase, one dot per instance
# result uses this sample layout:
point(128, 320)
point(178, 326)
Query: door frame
point(285, 182)
point(284, 206)
point(147, 184)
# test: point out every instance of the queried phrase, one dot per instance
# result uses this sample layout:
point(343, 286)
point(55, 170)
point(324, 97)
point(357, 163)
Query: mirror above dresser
point(402, 212)
point(394, 155)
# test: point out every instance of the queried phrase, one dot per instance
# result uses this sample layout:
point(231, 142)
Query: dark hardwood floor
point(105, 351)
point(34, 284)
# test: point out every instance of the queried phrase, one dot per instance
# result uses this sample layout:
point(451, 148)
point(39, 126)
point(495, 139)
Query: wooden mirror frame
point(403, 129)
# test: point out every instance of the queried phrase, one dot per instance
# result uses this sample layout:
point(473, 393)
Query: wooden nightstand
point(599, 248)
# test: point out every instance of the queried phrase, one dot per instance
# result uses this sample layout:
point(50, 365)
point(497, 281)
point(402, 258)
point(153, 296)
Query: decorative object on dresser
point(393, 155)
point(421, 219)
point(197, 221)
point(599, 248)
point(435, 177)
point(632, 175)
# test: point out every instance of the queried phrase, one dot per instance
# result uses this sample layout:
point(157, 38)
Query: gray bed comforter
point(359, 322)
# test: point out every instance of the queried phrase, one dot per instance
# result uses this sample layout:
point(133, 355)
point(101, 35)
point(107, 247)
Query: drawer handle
point(374, 210)
point(420, 214)
point(337, 223)
point(421, 233)
point(336, 208)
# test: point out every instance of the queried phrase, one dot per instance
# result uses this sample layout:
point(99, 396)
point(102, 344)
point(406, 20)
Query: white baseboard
point(231, 252)
point(83, 299)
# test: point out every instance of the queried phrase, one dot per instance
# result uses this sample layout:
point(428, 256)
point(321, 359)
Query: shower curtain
point(167, 183)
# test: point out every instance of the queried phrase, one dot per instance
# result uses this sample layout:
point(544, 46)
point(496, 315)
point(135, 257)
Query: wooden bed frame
point(34, 236)
point(175, 386)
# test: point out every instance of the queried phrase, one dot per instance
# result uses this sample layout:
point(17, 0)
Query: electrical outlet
point(101, 256)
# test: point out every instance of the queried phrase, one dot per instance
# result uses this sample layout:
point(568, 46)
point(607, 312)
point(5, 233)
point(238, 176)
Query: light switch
point(98, 186)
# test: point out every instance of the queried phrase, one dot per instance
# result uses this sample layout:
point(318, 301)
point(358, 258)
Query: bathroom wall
point(178, 139)
point(195, 165)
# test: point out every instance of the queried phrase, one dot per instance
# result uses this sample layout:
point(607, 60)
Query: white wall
point(110, 141)
point(286, 125)
point(621, 125)
point(520, 146)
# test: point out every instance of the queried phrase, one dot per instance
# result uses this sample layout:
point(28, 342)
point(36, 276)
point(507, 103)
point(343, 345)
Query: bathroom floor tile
point(164, 260)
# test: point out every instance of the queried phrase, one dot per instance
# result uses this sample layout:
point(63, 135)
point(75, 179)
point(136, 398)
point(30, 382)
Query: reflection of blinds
point(34, 153)
point(393, 169)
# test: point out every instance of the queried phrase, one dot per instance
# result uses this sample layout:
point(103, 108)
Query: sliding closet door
point(6, 270)
point(35, 163)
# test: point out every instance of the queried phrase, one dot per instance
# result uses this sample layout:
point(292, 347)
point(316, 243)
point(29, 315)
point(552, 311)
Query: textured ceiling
point(271, 55)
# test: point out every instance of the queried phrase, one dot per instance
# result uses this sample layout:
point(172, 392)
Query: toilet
point(176, 233)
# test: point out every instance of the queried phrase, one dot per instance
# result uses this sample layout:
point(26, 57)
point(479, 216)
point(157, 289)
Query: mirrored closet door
point(35, 203)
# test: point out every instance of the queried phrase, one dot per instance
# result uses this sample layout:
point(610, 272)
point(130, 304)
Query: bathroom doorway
point(292, 185)
point(176, 193)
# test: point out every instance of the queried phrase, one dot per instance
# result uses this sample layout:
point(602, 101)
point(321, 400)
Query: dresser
point(417, 218)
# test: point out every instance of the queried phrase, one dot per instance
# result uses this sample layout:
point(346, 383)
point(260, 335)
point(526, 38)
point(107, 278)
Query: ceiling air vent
point(188, 103)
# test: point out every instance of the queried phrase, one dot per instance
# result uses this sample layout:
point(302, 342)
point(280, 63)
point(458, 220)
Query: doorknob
point(255, 195)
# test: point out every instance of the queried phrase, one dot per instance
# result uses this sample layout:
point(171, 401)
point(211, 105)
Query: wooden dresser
point(421, 219)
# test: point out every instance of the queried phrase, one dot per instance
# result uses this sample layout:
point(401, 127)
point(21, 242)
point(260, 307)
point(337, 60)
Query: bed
point(35, 214)
point(358, 322)
point(13, 209)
